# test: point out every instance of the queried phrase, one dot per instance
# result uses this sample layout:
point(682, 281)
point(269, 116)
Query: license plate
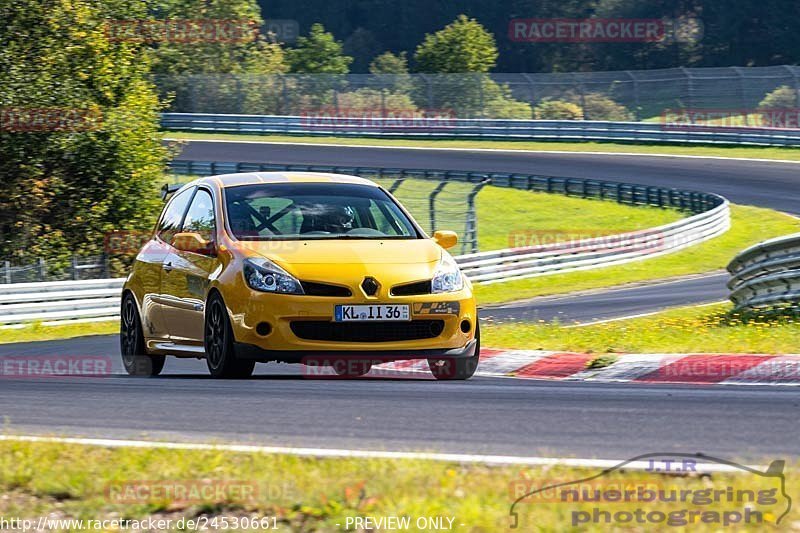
point(366, 313)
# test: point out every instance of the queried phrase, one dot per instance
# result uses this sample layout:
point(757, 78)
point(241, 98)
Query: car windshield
point(301, 211)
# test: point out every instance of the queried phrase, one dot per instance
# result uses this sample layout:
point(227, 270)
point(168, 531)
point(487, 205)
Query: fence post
point(42, 268)
point(742, 102)
point(396, 184)
point(471, 224)
point(432, 204)
point(75, 267)
point(582, 89)
point(637, 112)
point(793, 74)
point(690, 91)
point(7, 270)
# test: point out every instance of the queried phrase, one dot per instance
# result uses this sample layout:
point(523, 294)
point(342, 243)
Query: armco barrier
point(58, 301)
point(98, 299)
point(766, 275)
point(501, 129)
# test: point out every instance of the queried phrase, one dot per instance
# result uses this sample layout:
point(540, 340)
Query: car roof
point(254, 178)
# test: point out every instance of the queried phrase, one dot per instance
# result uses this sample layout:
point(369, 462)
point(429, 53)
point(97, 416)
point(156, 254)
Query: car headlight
point(265, 276)
point(447, 277)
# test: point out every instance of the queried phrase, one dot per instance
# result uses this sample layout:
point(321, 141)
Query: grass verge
point(707, 329)
point(38, 332)
point(750, 225)
point(755, 152)
point(307, 494)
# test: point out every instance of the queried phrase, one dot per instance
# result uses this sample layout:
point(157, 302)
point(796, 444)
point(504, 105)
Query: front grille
point(323, 289)
point(318, 330)
point(412, 289)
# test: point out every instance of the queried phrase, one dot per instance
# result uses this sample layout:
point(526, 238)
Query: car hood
point(348, 252)
point(348, 262)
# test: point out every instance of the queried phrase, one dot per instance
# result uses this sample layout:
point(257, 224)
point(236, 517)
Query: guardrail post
point(75, 267)
point(42, 268)
point(7, 270)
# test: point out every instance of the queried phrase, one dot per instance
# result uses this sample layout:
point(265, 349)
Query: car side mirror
point(445, 239)
point(192, 242)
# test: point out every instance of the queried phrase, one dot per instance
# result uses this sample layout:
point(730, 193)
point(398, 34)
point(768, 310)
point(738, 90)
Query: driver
point(333, 219)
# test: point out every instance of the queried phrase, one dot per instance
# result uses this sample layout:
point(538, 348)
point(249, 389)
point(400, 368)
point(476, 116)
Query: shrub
point(557, 110)
point(783, 97)
point(600, 107)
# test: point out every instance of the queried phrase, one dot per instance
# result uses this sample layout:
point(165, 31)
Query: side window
point(171, 220)
point(200, 217)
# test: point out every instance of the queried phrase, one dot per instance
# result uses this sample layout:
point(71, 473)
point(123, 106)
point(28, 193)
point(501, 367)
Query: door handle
point(167, 267)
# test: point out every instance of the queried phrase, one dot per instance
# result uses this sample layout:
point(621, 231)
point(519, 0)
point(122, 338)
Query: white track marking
point(641, 315)
point(499, 150)
point(494, 460)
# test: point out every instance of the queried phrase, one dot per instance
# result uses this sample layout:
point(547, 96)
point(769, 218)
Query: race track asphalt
point(481, 416)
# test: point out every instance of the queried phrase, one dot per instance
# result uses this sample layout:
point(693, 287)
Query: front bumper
point(281, 343)
point(376, 356)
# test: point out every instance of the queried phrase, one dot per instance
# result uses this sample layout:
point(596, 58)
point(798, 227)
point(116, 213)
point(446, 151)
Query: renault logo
point(370, 286)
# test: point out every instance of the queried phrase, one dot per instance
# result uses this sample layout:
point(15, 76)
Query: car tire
point(457, 369)
point(135, 359)
point(218, 342)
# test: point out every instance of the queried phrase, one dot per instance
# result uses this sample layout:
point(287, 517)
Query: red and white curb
point(700, 369)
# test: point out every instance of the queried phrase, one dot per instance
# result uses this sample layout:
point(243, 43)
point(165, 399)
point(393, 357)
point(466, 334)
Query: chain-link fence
point(74, 268)
point(636, 95)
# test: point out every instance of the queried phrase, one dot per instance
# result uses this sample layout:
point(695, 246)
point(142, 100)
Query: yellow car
point(312, 268)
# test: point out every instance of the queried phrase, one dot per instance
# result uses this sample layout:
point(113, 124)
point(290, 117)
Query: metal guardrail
point(57, 301)
point(767, 275)
point(99, 299)
point(500, 129)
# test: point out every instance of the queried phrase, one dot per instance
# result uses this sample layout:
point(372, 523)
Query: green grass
point(38, 332)
point(308, 494)
point(707, 329)
point(750, 225)
point(757, 152)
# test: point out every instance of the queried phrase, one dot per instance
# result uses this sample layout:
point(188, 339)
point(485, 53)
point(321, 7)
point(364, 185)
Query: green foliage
point(557, 110)
point(784, 97)
point(370, 101)
point(597, 106)
point(319, 53)
point(462, 46)
point(248, 53)
point(223, 75)
point(389, 63)
point(63, 190)
point(498, 102)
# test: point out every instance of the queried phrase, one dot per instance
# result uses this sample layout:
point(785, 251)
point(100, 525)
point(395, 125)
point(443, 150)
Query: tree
point(462, 46)
point(389, 63)
point(69, 181)
point(319, 53)
point(459, 58)
point(218, 74)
